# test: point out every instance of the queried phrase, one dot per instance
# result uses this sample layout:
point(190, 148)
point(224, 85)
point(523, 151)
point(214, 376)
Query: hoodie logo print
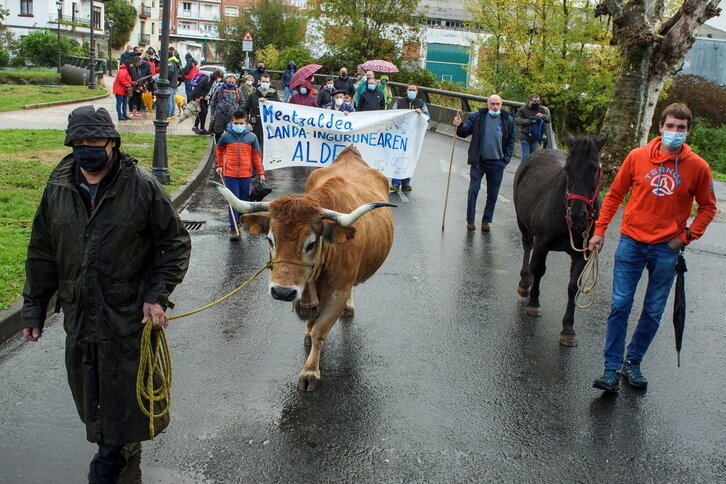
point(663, 185)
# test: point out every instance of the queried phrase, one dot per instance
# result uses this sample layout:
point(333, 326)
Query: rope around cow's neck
point(154, 377)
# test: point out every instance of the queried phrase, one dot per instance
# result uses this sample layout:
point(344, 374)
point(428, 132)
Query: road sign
point(247, 42)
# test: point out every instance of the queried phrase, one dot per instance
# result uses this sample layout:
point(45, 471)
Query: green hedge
point(27, 76)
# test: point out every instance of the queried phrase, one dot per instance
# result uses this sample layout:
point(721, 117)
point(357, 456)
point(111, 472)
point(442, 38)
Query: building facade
point(75, 19)
point(193, 27)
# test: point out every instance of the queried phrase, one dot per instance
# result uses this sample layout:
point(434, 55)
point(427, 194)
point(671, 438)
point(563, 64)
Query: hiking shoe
point(470, 226)
point(196, 130)
point(485, 227)
point(609, 381)
point(631, 371)
point(406, 188)
point(393, 188)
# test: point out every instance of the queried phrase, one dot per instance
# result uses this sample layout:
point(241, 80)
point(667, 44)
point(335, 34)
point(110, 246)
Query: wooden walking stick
point(448, 180)
point(231, 210)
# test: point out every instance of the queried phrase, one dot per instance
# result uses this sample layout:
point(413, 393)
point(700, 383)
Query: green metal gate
point(448, 62)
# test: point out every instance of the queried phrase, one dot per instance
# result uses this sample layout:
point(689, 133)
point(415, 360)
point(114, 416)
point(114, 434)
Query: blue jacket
point(287, 75)
point(476, 127)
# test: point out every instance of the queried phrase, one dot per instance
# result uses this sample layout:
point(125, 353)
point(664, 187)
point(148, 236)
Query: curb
point(11, 319)
point(69, 101)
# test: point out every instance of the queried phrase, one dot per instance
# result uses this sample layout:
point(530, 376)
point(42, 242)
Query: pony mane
point(582, 147)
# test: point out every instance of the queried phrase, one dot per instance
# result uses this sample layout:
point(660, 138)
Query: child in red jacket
point(237, 151)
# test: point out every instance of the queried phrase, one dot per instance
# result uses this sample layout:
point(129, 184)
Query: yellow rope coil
point(155, 359)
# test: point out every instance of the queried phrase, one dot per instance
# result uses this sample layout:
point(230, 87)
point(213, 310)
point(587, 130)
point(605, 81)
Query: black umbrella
point(679, 306)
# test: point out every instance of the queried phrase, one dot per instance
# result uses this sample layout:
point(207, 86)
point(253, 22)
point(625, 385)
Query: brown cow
point(317, 256)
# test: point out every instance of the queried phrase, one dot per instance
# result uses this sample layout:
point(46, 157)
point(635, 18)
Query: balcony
point(70, 20)
point(196, 15)
point(144, 11)
point(144, 39)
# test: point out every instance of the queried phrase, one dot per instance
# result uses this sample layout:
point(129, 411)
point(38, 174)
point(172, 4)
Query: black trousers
point(202, 116)
point(107, 464)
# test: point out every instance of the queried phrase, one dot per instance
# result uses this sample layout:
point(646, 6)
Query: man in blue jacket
point(491, 148)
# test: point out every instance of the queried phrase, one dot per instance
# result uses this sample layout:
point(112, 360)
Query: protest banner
point(294, 135)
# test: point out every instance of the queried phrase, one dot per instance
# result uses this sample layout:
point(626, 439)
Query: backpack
point(199, 76)
point(536, 129)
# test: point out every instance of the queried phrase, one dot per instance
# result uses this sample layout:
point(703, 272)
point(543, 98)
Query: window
point(26, 8)
point(187, 7)
point(208, 12)
point(231, 11)
point(153, 28)
point(207, 28)
point(97, 18)
point(186, 26)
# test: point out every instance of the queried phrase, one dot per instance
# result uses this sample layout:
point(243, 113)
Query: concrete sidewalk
point(56, 117)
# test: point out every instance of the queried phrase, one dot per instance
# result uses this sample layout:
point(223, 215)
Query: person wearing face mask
point(257, 73)
point(286, 78)
point(363, 86)
point(386, 90)
point(246, 87)
point(371, 99)
point(411, 101)
point(663, 179)
point(303, 95)
point(108, 240)
point(531, 119)
point(325, 96)
point(225, 101)
point(338, 103)
point(491, 148)
point(238, 151)
point(252, 107)
point(344, 83)
point(121, 84)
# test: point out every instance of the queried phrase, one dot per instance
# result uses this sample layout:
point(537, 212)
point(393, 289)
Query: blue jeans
point(528, 147)
point(171, 103)
point(396, 182)
point(631, 257)
point(188, 88)
point(122, 106)
point(241, 189)
point(286, 95)
point(494, 171)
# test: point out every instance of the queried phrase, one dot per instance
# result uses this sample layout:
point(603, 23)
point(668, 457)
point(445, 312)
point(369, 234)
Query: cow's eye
point(309, 247)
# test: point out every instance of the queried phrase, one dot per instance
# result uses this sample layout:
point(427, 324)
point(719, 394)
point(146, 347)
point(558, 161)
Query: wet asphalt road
point(440, 377)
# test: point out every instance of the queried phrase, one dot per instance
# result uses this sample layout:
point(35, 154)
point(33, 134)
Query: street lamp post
point(92, 57)
point(160, 164)
point(59, 5)
point(110, 39)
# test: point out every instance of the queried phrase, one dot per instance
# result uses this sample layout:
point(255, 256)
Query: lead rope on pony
point(588, 277)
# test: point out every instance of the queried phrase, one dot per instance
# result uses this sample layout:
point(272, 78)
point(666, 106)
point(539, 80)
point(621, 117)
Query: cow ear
point(337, 234)
point(256, 224)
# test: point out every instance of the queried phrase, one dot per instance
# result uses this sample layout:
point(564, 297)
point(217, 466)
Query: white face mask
point(330, 86)
point(249, 83)
point(339, 102)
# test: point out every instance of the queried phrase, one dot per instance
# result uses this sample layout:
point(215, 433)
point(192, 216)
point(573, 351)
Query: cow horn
point(346, 219)
point(241, 206)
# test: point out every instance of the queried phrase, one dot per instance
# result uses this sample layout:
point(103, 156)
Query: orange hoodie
point(662, 189)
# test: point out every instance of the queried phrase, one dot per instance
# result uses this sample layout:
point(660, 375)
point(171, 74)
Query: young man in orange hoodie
point(663, 178)
point(238, 151)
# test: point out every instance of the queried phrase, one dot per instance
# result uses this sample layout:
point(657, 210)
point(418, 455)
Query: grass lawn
point(14, 96)
point(27, 158)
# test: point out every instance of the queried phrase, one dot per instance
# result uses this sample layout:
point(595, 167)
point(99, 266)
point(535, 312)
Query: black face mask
point(535, 105)
point(91, 158)
point(260, 68)
point(343, 75)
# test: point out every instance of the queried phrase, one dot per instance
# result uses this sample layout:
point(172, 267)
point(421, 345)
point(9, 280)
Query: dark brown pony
point(557, 202)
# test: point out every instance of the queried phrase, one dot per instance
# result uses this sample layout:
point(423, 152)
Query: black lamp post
point(110, 39)
point(59, 5)
point(160, 165)
point(92, 56)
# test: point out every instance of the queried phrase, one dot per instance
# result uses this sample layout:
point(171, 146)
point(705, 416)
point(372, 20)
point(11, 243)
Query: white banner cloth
point(389, 141)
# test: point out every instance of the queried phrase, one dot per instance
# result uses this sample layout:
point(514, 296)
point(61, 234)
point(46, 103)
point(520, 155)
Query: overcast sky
point(718, 22)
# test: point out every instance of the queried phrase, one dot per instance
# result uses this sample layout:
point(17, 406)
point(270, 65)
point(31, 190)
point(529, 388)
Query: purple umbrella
point(303, 73)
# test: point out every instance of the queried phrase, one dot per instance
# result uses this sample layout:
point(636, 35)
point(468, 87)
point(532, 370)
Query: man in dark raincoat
point(106, 238)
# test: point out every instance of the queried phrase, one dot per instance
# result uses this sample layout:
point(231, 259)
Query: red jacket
point(662, 189)
point(122, 81)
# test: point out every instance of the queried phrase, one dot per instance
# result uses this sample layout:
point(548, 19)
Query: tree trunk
point(651, 52)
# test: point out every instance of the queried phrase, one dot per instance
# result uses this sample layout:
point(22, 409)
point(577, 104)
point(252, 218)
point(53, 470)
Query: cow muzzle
point(282, 293)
